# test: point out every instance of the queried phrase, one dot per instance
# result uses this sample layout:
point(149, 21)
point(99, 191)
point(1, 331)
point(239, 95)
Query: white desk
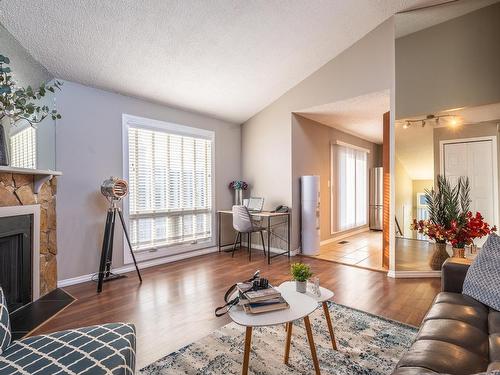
point(265, 215)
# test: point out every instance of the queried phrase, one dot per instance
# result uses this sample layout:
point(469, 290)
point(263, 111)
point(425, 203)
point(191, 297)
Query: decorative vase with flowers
point(19, 104)
point(450, 220)
point(301, 273)
point(238, 186)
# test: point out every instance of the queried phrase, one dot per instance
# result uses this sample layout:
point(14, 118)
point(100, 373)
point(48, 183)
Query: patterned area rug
point(368, 344)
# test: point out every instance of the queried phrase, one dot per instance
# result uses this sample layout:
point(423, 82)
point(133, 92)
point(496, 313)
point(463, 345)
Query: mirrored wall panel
point(447, 124)
point(23, 145)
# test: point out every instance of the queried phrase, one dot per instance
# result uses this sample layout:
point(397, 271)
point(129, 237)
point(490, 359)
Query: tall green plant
point(19, 103)
point(448, 203)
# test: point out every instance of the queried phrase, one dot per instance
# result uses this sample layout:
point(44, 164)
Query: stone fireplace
point(18, 190)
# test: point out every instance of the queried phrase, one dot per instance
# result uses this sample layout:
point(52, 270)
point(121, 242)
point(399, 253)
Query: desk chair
point(242, 223)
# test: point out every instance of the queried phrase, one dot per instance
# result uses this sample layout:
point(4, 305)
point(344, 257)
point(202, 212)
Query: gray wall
point(453, 64)
point(89, 149)
point(314, 141)
point(268, 154)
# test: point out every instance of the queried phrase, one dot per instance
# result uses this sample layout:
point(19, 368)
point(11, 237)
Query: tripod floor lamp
point(114, 189)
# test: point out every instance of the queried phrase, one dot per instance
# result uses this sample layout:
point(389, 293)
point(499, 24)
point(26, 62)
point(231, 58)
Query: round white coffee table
point(301, 306)
point(326, 295)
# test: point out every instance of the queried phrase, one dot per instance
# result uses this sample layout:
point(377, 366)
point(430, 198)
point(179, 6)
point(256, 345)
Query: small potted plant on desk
point(301, 273)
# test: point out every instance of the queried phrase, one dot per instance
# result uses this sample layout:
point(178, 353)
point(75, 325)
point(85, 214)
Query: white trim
point(413, 274)
point(33, 209)
point(142, 265)
point(493, 139)
point(345, 235)
point(143, 122)
point(345, 144)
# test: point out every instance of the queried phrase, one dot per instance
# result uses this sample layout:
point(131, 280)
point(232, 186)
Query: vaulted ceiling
point(225, 58)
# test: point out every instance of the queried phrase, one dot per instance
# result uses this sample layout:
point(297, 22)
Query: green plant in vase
point(301, 273)
point(20, 103)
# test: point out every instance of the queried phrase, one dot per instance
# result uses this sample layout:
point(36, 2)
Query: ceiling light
point(453, 121)
point(406, 125)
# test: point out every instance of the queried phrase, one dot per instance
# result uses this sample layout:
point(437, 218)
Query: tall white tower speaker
point(310, 214)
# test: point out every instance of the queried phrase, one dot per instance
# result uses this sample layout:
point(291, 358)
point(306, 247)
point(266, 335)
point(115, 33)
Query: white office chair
point(242, 223)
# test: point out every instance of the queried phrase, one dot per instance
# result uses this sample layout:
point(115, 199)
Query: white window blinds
point(352, 175)
point(170, 177)
point(23, 148)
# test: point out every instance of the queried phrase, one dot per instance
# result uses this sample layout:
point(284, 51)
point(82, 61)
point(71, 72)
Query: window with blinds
point(23, 148)
point(170, 178)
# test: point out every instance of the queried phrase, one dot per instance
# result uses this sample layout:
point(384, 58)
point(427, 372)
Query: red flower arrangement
point(458, 235)
point(474, 227)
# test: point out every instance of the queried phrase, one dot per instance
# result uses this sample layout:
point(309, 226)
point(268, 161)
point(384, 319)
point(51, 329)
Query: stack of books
point(262, 300)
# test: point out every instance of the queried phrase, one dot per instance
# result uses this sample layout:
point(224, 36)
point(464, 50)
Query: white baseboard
point(344, 235)
point(413, 274)
point(146, 264)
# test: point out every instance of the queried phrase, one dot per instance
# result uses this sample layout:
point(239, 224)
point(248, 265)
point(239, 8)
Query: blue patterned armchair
point(101, 349)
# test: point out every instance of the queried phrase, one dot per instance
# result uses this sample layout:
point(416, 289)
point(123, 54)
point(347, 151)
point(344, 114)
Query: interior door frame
point(493, 139)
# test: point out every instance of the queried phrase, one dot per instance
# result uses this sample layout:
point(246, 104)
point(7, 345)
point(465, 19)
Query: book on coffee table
point(274, 304)
point(262, 294)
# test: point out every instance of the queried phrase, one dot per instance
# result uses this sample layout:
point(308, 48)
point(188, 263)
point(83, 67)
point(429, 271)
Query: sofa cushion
point(482, 281)
point(475, 315)
point(456, 332)
point(459, 299)
point(102, 349)
point(5, 335)
point(443, 357)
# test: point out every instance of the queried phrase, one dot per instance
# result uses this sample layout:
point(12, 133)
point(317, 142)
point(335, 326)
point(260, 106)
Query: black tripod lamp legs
point(129, 244)
point(106, 249)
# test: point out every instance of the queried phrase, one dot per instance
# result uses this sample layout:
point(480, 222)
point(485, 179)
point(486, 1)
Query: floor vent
point(343, 242)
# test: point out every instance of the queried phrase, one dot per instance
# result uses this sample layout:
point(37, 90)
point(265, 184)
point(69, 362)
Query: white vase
point(238, 197)
point(301, 286)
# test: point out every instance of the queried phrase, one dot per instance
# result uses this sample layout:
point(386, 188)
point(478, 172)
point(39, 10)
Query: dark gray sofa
point(458, 336)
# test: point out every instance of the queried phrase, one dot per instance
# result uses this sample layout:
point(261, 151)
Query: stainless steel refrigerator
point(375, 208)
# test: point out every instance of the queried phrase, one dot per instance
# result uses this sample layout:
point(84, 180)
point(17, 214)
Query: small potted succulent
point(301, 273)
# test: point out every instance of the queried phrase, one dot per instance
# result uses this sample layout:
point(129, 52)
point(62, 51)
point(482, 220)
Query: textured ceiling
point(360, 116)
point(228, 59)
point(411, 22)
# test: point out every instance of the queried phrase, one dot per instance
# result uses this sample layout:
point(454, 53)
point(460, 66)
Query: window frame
point(173, 128)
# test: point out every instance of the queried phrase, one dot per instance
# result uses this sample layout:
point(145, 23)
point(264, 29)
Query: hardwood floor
point(362, 250)
point(175, 304)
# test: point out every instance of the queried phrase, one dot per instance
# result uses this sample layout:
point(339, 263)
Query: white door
point(476, 160)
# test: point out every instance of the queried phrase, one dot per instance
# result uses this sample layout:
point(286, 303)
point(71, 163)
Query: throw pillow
point(482, 281)
point(5, 335)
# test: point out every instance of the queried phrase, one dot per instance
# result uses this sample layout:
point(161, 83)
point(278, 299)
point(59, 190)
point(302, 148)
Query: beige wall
point(268, 156)
point(404, 198)
point(314, 141)
point(450, 65)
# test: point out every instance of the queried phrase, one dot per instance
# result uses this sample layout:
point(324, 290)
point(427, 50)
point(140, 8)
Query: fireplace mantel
point(40, 175)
